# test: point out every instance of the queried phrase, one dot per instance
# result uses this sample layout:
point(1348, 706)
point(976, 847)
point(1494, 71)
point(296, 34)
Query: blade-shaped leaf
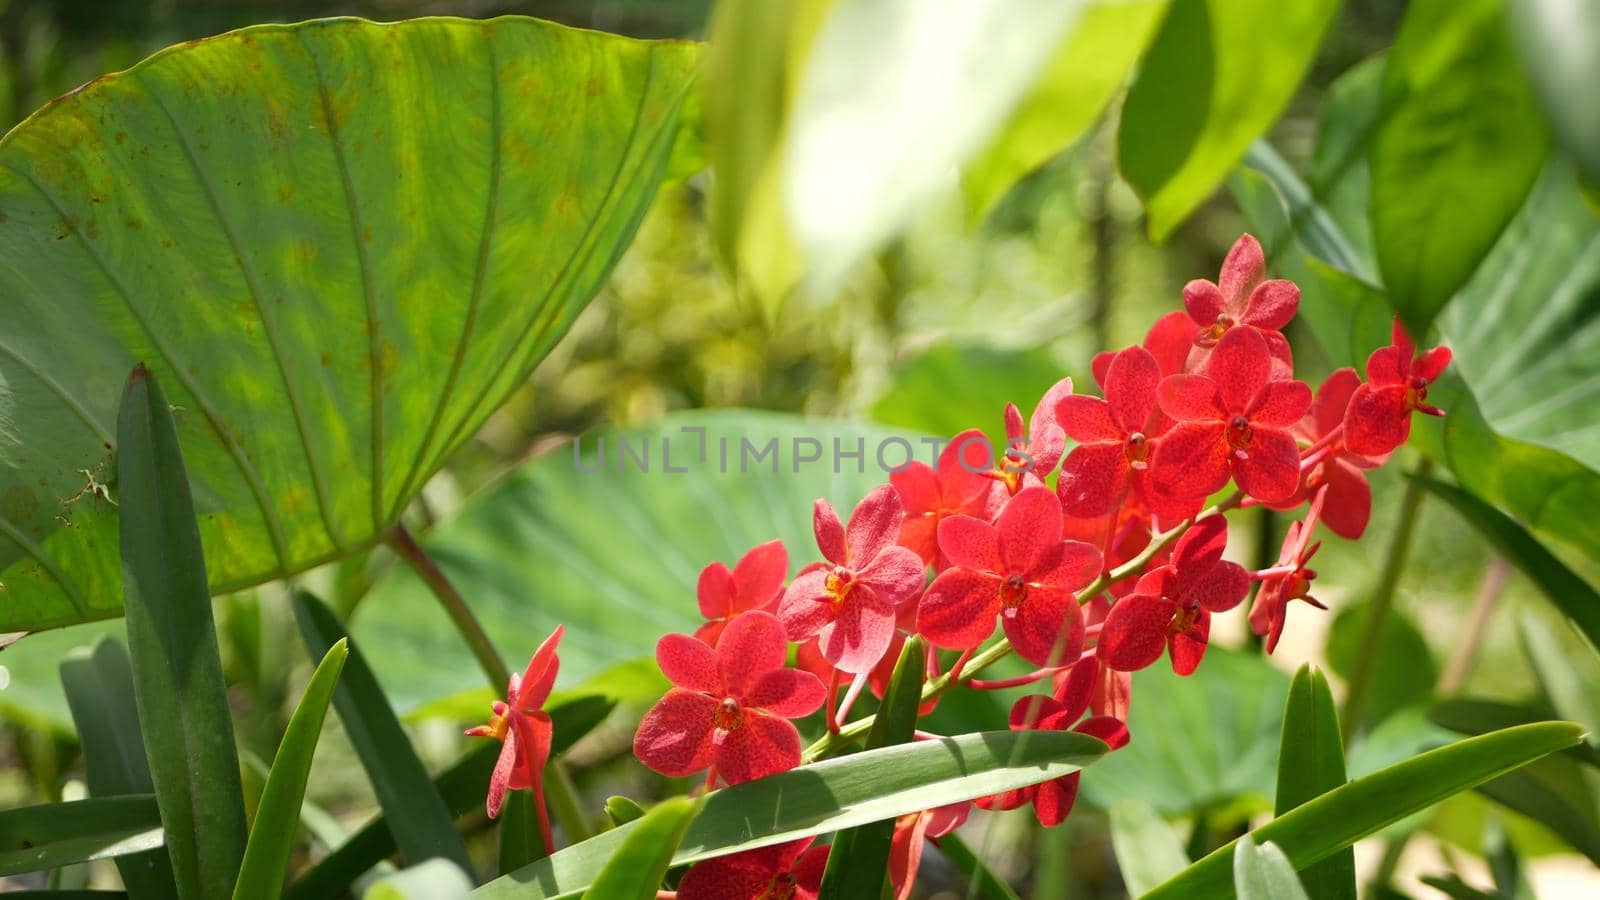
point(266, 856)
point(99, 687)
point(858, 864)
point(1264, 873)
point(415, 812)
point(636, 869)
point(828, 796)
point(338, 294)
point(1316, 830)
point(1148, 850)
point(60, 834)
point(1217, 74)
point(1311, 763)
point(172, 641)
point(1474, 715)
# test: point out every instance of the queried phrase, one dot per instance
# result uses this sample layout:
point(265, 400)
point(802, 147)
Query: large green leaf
point(1148, 850)
point(1459, 145)
point(266, 856)
point(1314, 831)
point(341, 243)
point(1083, 75)
point(636, 869)
point(1559, 43)
point(614, 554)
point(414, 810)
point(60, 834)
point(1311, 763)
point(829, 796)
point(1216, 76)
point(172, 642)
point(99, 687)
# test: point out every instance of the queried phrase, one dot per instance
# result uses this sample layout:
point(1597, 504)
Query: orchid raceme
point(848, 603)
point(1019, 569)
point(1242, 296)
point(1329, 464)
point(755, 582)
point(524, 729)
point(730, 706)
point(1379, 417)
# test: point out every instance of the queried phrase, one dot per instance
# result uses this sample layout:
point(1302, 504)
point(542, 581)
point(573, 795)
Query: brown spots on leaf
point(135, 223)
point(594, 87)
point(285, 193)
point(388, 359)
point(19, 505)
point(305, 249)
point(327, 358)
point(366, 234)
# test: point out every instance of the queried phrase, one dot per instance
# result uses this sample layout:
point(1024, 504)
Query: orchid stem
point(1382, 604)
point(494, 668)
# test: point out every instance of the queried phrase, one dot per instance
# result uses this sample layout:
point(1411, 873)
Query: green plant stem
point(1382, 604)
point(562, 795)
point(848, 734)
point(494, 668)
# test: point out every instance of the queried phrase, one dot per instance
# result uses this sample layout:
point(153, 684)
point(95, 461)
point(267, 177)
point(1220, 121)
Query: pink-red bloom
point(1333, 467)
point(1170, 608)
point(729, 707)
point(1379, 417)
point(1052, 800)
point(1288, 579)
point(957, 487)
point(849, 602)
point(755, 582)
point(525, 730)
point(905, 847)
point(1031, 455)
point(1245, 297)
point(791, 871)
point(1169, 340)
point(1233, 421)
point(1018, 568)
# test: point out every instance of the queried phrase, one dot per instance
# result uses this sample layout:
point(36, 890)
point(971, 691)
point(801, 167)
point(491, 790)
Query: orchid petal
point(688, 663)
point(875, 524)
point(761, 745)
point(788, 693)
point(958, 610)
point(1029, 526)
point(970, 543)
point(1270, 471)
point(1135, 632)
point(752, 645)
point(1047, 629)
point(674, 738)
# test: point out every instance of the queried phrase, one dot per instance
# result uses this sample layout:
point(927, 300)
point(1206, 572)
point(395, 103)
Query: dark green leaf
point(1264, 873)
point(828, 796)
point(266, 856)
point(177, 674)
point(1559, 44)
point(337, 297)
point(60, 834)
point(1460, 144)
point(1218, 73)
point(1311, 763)
point(1148, 851)
point(1554, 793)
point(1453, 887)
point(1404, 672)
point(99, 688)
point(520, 840)
point(636, 869)
point(859, 861)
point(1314, 831)
point(1472, 715)
point(414, 810)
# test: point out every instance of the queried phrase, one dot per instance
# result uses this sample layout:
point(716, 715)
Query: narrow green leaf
point(1559, 43)
point(462, 786)
point(636, 869)
point(1458, 148)
point(416, 813)
point(1148, 851)
point(622, 810)
point(1554, 793)
point(266, 856)
point(1453, 887)
point(520, 840)
point(177, 673)
point(99, 687)
point(434, 879)
point(1576, 598)
point(1218, 73)
point(982, 882)
point(60, 834)
point(1311, 763)
point(1477, 715)
point(1264, 873)
point(829, 796)
point(858, 864)
point(1314, 831)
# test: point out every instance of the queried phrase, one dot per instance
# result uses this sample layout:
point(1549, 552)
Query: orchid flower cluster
point(1089, 573)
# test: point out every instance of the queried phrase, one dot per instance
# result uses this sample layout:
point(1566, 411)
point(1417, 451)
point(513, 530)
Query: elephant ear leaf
point(341, 244)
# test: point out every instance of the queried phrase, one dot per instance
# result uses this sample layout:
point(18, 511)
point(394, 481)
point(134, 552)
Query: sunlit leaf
point(1559, 45)
point(1264, 873)
point(636, 869)
point(1310, 763)
point(59, 834)
point(435, 879)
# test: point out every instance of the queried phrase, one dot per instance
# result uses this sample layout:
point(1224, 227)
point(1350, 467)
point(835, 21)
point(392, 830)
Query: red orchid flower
point(1234, 421)
point(850, 605)
point(1379, 417)
point(1018, 568)
point(957, 487)
point(905, 846)
point(1244, 296)
point(808, 657)
point(1032, 455)
point(1053, 800)
point(1169, 340)
point(1334, 467)
point(755, 582)
point(1170, 608)
point(524, 728)
point(1288, 579)
point(729, 707)
point(1111, 692)
point(1116, 437)
point(791, 871)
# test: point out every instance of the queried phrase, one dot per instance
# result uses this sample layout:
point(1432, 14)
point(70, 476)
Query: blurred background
point(920, 339)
